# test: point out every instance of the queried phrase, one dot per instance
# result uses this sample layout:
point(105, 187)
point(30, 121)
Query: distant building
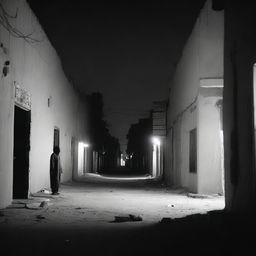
point(159, 131)
point(139, 147)
point(105, 149)
point(194, 143)
point(39, 108)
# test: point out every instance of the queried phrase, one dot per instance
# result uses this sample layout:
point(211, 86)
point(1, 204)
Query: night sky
point(127, 50)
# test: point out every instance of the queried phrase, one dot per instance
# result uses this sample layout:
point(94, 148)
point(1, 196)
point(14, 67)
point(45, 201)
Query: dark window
point(192, 151)
point(56, 137)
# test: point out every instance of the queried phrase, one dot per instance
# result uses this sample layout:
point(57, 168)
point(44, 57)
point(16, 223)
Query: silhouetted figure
point(55, 170)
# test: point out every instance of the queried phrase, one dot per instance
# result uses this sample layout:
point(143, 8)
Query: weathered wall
point(209, 142)
point(240, 56)
point(36, 68)
point(202, 57)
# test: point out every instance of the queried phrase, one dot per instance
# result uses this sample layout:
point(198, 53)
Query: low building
point(39, 108)
point(194, 144)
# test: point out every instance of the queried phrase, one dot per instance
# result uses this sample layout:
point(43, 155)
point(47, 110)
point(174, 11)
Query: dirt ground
point(113, 216)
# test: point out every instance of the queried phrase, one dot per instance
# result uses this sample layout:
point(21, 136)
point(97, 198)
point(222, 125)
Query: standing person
point(55, 170)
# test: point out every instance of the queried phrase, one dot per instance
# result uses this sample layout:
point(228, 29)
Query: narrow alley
point(89, 214)
point(99, 199)
point(120, 215)
point(127, 128)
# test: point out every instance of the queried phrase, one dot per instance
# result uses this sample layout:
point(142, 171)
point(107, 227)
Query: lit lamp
point(156, 141)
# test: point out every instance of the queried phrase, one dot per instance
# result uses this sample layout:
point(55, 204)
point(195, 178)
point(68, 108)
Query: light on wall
point(83, 145)
point(156, 141)
point(82, 157)
point(122, 160)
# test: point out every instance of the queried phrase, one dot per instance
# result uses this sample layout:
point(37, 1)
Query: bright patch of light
point(120, 178)
point(122, 160)
point(83, 145)
point(156, 141)
point(81, 157)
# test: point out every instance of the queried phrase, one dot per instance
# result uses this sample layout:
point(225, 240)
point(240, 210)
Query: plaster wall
point(209, 142)
point(202, 58)
point(188, 123)
point(36, 67)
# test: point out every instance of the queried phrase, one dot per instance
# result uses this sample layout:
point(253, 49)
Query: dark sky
point(127, 50)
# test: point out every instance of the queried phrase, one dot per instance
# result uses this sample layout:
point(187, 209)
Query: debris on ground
point(45, 203)
point(166, 220)
point(200, 196)
point(40, 217)
point(32, 206)
point(79, 208)
point(38, 205)
point(130, 217)
point(43, 193)
point(170, 205)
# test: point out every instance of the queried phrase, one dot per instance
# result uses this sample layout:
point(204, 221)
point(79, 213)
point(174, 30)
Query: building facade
point(194, 143)
point(39, 108)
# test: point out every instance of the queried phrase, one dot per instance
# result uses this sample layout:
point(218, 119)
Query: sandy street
point(97, 200)
point(96, 214)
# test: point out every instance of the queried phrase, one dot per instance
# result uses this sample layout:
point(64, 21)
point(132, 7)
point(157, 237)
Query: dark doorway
point(192, 151)
point(21, 153)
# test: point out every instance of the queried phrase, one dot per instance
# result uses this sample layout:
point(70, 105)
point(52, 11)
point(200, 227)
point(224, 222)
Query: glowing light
point(122, 160)
point(81, 157)
point(156, 141)
point(83, 145)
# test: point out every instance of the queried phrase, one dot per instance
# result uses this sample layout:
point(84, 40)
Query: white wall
point(209, 142)
point(37, 69)
point(6, 128)
point(202, 57)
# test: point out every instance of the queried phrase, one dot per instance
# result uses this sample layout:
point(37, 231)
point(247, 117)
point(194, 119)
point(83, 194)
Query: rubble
point(40, 217)
point(130, 217)
point(43, 193)
point(201, 196)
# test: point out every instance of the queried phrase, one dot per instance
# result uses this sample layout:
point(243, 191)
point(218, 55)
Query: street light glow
point(83, 145)
point(156, 141)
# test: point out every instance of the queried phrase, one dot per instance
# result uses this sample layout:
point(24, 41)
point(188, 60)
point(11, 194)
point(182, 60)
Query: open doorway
point(83, 166)
point(21, 153)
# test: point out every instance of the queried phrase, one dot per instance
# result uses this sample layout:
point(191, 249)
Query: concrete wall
point(35, 67)
point(202, 58)
point(210, 167)
point(238, 106)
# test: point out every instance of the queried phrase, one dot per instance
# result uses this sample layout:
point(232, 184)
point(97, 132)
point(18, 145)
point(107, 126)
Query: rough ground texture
point(81, 220)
